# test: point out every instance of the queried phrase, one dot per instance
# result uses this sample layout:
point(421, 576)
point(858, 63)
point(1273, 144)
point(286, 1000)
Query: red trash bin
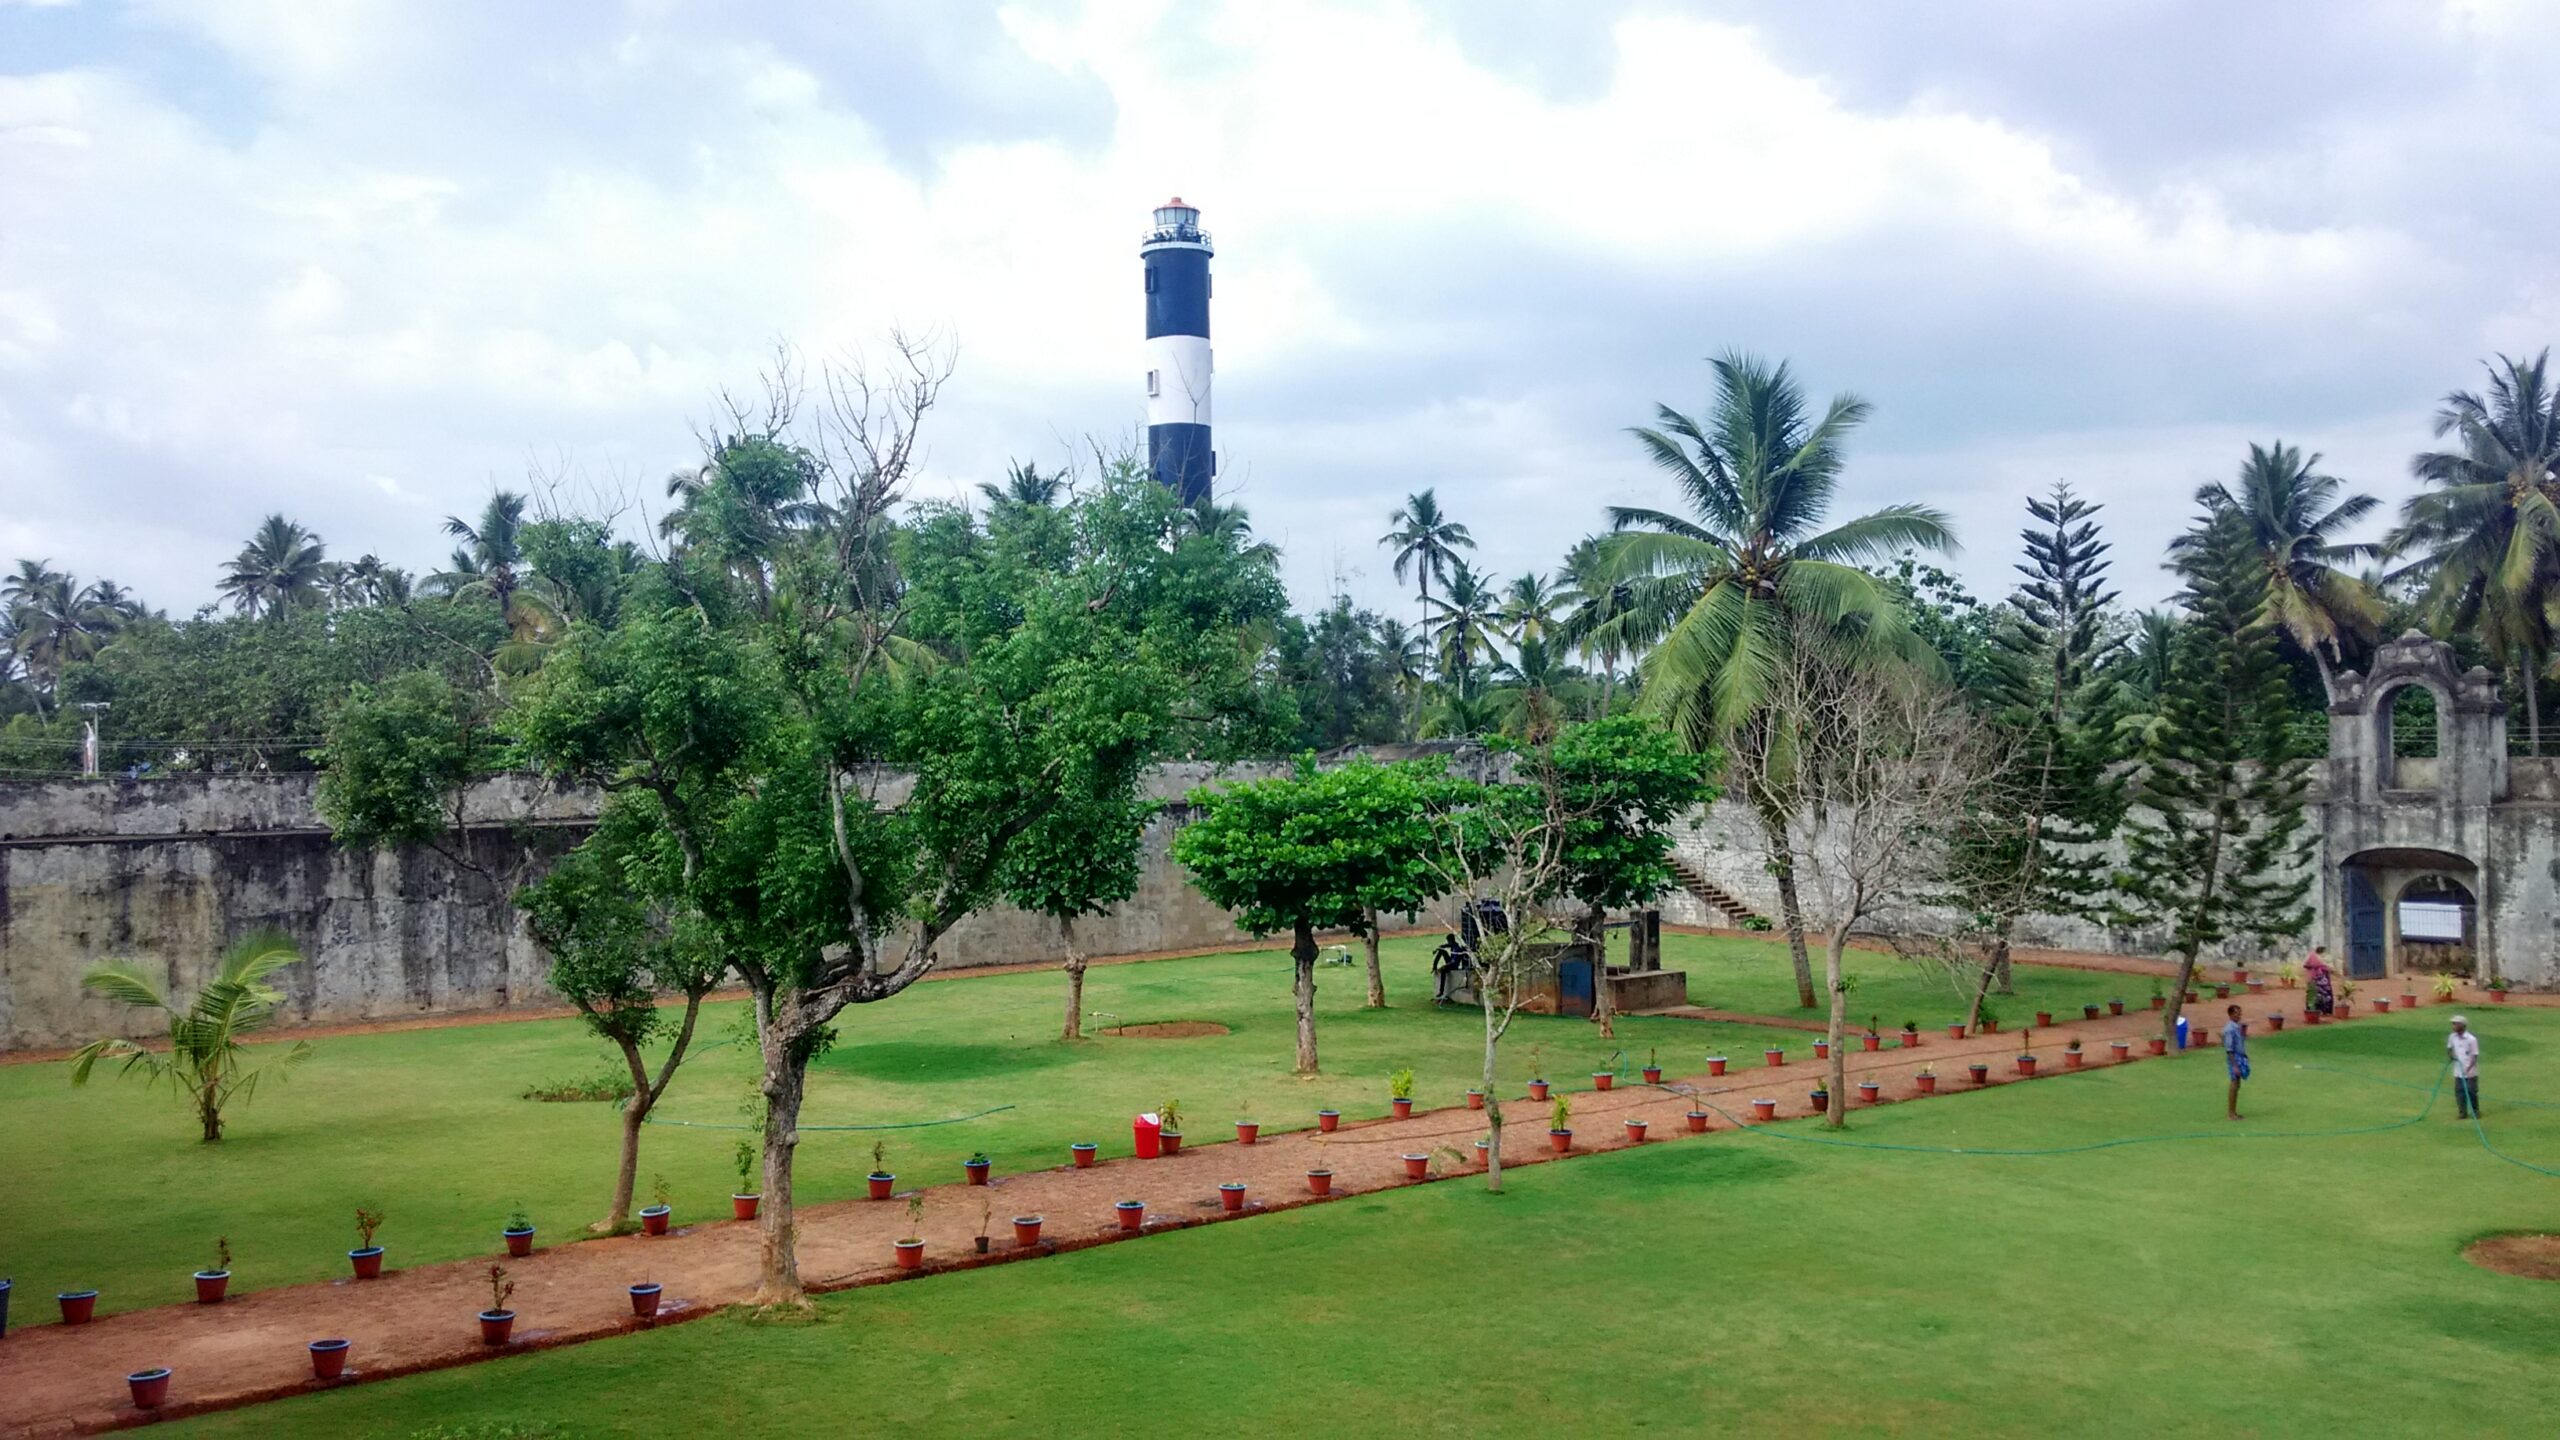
point(1147, 1131)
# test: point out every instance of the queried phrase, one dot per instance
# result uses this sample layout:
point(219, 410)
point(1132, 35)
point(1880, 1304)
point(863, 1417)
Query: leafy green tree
point(613, 955)
point(1621, 783)
point(282, 568)
point(49, 621)
point(1758, 473)
point(206, 1062)
point(2216, 847)
point(1425, 541)
point(1312, 851)
point(399, 760)
point(2294, 515)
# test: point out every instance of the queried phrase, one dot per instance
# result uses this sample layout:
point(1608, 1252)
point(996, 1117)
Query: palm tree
point(486, 561)
point(52, 621)
point(1425, 541)
point(1525, 692)
point(1608, 617)
point(366, 580)
point(1228, 525)
point(205, 1061)
point(1025, 485)
point(2486, 535)
point(1406, 657)
point(1529, 608)
point(1758, 474)
point(1464, 629)
point(279, 569)
point(2294, 515)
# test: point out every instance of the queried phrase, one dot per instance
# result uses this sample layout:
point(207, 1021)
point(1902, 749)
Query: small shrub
point(1400, 1084)
point(609, 1085)
point(367, 1221)
point(500, 1288)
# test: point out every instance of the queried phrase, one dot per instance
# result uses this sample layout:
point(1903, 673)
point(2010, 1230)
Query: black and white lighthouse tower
point(1176, 253)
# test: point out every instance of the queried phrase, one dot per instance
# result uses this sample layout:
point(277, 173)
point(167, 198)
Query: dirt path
point(63, 1379)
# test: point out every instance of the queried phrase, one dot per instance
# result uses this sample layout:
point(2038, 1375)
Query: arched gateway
point(2437, 850)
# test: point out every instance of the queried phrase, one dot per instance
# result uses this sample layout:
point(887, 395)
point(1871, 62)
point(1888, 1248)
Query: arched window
point(2411, 722)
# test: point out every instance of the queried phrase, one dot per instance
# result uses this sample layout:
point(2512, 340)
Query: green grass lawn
point(2235, 1284)
point(1727, 973)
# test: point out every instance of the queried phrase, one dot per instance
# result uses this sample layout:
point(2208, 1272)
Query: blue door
point(1574, 992)
point(2365, 960)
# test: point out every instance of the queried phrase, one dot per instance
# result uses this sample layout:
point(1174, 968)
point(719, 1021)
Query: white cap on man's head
point(2458, 1020)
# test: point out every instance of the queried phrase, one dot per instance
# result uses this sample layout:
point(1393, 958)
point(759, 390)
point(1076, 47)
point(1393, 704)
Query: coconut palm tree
point(1529, 608)
point(1406, 657)
point(490, 555)
point(205, 1062)
point(53, 621)
point(1025, 485)
point(1229, 526)
point(1464, 626)
point(278, 570)
point(1425, 542)
point(1607, 617)
point(1758, 473)
point(2294, 515)
point(1525, 694)
point(2485, 534)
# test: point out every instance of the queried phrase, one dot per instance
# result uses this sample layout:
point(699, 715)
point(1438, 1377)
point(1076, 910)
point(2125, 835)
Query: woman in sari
point(2318, 985)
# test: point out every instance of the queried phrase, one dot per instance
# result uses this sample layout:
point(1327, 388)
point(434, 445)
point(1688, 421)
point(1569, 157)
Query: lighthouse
point(1176, 255)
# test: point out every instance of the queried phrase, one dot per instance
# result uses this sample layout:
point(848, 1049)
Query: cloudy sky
point(361, 261)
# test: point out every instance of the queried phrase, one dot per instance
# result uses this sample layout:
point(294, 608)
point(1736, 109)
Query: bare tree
point(1886, 764)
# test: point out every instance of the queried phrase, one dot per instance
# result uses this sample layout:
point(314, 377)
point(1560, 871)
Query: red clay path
point(63, 1379)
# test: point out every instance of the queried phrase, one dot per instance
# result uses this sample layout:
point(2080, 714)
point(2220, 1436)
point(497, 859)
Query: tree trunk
point(1981, 988)
point(1492, 1095)
point(1604, 1006)
point(1791, 912)
point(209, 1113)
point(2000, 968)
point(1377, 978)
point(2532, 708)
point(1075, 981)
point(1838, 1084)
point(2178, 995)
point(786, 1068)
point(635, 1113)
point(1304, 952)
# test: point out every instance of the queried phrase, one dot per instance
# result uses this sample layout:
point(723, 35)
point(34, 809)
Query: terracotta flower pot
point(1870, 1042)
point(2026, 1064)
point(1910, 1039)
point(496, 1326)
point(1085, 1152)
point(211, 1285)
point(2346, 1008)
point(1172, 1143)
point(150, 1387)
point(910, 1254)
point(2408, 1001)
point(1697, 1122)
point(1538, 1089)
point(2088, 1012)
point(519, 1242)
point(2044, 1019)
point(2310, 1016)
point(1319, 1182)
point(1928, 1083)
point(1417, 1167)
point(2221, 992)
point(1955, 1029)
point(1026, 1230)
point(1560, 1141)
point(1764, 1109)
point(2239, 974)
point(2159, 1046)
point(1475, 1099)
point(644, 1300)
point(2071, 1059)
point(329, 1358)
point(1326, 1120)
point(1868, 1090)
point(2115, 1007)
point(79, 1307)
point(1653, 1074)
point(1990, 1027)
point(654, 1219)
point(2159, 1002)
point(883, 1186)
point(367, 1262)
point(1132, 1213)
point(1484, 1153)
point(2496, 997)
point(2123, 1048)
point(1248, 1131)
point(1635, 1132)
point(1402, 1107)
point(2382, 1005)
point(1775, 1058)
point(2193, 997)
point(1821, 1049)
point(978, 1169)
point(744, 1207)
point(1603, 1079)
point(1981, 1074)
point(1821, 1102)
point(2275, 1021)
point(1231, 1197)
point(1715, 1064)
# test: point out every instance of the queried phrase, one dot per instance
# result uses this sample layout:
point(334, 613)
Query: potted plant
point(977, 1166)
point(2159, 998)
point(2381, 1004)
point(329, 1358)
point(2408, 994)
point(2088, 1012)
point(367, 1256)
point(1697, 1122)
point(1635, 1131)
point(1821, 1098)
point(653, 1219)
point(1400, 1093)
point(1326, 1120)
point(2221, 992)
point(1775, 1056)
point(1231, 1196)
point(2239, 974)
point(1764, 1109)
point(1821, 1049)
point(150, 1387)
point(1910, 1034)
point(1132, 1213)
point(78, 1306)
point(1978, 1072)
point(986, 1217)
point(2286, 974)
point(2445, 988)
point(519, 1232)
point(2071, 1054)
point(1869, 1090)
point(1926, 1080)
point(910, 1251)
point(1248, 1131)
point(1955, 1029)
point(1652, 1066)
point(2310, 1016)
point(2498, 990)
point(644, 1299)
point(1170, 1113)
point(1475, 1099)
point(1084, 1151)
point(212, 1284)
point(1987, 1016)
point(2276, 1021)
point(744, 1200)
point(2159, 1045)
point(2027, 1063)
point(2123, 1049)
point(1560, 1126)
point(885, 1184)
point(2257, 987)
point(1603, 1079)
point(2044, 1019)
point(2346, 998)
point(2116, 1006)
point(1868, 1039)
point(1715, 1064)
point(498, 1322)
point(1319, 1182)
point(1417, 1167)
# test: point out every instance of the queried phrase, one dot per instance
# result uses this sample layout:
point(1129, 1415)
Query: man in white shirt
point(2464, 1047)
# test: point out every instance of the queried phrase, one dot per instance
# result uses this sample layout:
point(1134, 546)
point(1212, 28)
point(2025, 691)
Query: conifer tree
point(2216, 843)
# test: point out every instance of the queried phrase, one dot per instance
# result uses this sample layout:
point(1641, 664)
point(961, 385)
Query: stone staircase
point(1715, 897)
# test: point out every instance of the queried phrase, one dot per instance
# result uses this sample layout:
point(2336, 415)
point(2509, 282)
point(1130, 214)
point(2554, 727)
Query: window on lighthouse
point(1155, 385)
